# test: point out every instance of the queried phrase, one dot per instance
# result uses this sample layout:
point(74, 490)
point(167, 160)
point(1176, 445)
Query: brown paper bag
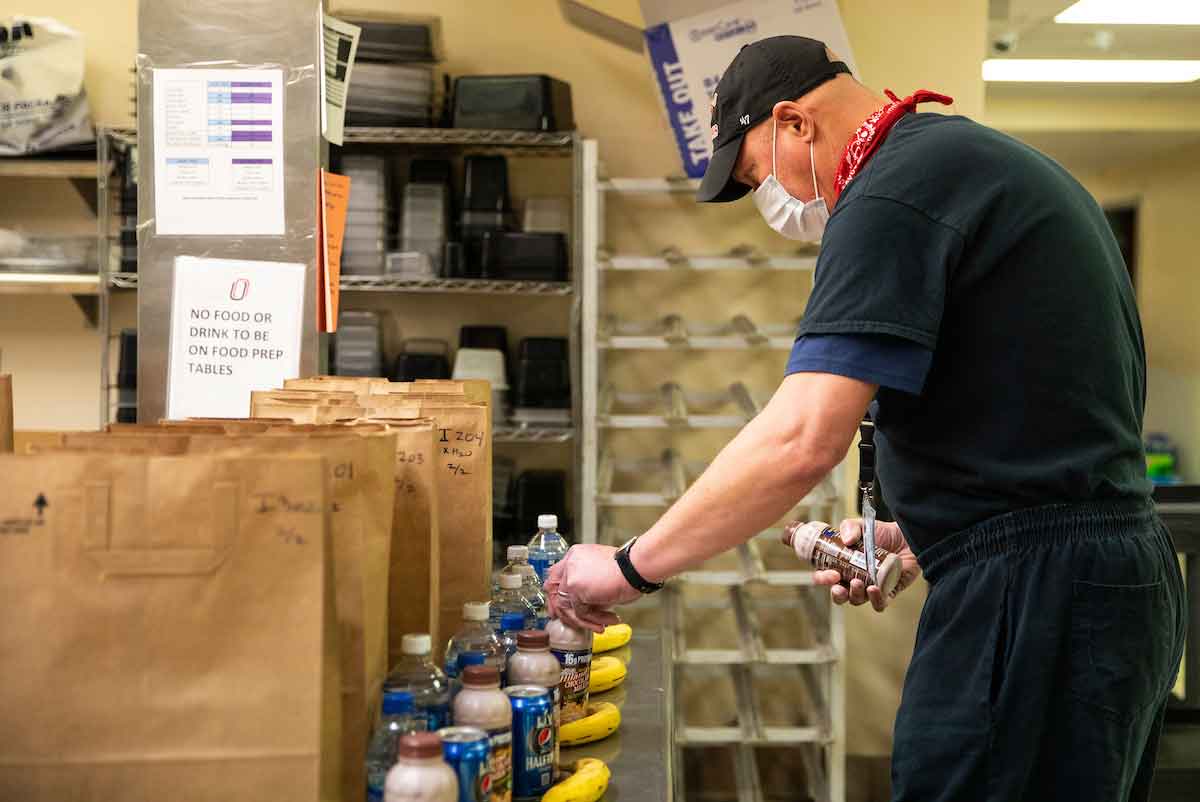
point(6, 414)
point(414, 581)
point(306, 412)
point(354, 384)
point(464, 453)
point(168, 630)
point(329, 397)
point(359, 461)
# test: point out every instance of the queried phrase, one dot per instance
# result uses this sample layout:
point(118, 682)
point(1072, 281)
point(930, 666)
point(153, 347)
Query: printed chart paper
point(340, 45)
point(235, 327)
point(218, 152)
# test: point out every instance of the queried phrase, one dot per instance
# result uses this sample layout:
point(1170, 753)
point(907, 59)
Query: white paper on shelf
point(218, 152)
point(340, 47)
point(235, 327)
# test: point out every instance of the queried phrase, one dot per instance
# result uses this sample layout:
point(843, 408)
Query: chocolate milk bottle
point(820, 544)
point(573, 650)
point(420, 773)
point(532, 664)
point(482, 704)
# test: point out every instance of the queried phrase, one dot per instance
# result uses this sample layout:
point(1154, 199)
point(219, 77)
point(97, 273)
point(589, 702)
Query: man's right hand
point(887, 537)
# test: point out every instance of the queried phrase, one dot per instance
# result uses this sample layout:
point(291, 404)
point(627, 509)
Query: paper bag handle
point(97, 534)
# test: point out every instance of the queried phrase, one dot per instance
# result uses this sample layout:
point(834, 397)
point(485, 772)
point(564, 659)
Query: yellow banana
point(602, 720)
point(587, 783)
point(613, 637)
point(607, 673)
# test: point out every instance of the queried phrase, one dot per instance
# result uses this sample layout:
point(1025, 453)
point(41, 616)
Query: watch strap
point(639, 582)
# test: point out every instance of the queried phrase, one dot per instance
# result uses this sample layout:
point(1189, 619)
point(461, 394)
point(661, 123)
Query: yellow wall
point(1168, 287)
point(899, 45)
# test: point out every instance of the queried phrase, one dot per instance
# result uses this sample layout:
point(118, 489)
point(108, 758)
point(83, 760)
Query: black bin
point(543, 371)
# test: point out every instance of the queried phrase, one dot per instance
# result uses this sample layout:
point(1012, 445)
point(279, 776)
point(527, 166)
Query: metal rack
point(129, 281)
point(673, 407)
point(747, 590)
point(673, 331)
point(111, 144)
point(744, 258)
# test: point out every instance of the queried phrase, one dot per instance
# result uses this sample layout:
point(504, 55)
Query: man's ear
point(792, 119)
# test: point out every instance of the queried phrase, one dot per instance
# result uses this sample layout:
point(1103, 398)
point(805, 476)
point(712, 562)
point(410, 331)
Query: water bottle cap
point(397, 702)
point(518, 553)
point(547, 522)
point(511, 581)
point(419, 643)
point(512, 621)
point(420, 745)
point(476, 611)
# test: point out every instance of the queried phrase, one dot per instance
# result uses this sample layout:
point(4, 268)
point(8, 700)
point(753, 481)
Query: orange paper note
point(335, 192)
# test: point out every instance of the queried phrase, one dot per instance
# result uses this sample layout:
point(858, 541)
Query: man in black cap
point(970, 292)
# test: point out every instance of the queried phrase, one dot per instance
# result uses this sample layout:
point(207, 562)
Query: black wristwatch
point(639, 582)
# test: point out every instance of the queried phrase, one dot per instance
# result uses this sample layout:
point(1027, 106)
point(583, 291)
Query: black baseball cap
point(763, 73)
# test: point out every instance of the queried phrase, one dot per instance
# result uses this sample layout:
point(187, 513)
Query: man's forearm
point(747, 488)
point(767, 469)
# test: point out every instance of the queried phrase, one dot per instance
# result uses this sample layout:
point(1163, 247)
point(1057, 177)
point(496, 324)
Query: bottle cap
point(420, 745)
point(803, 539)
point(533, 639)
point(518, 553)
point(512, 581)
point(511, 621)
point(476, 611)
point(547, 522)
point(481, 676)
point(418, 643)
point(471, 659)
point(397, 702)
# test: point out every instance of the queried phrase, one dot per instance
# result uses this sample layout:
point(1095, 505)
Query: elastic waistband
point(1036, 527)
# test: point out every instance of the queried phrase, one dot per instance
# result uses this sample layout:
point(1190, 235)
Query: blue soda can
point(465, 749)
point(533, 740)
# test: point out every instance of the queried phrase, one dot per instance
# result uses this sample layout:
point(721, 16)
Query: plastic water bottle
point(518, 563)
point(477, 635)
point(511, 624)
point(417, 674)
point(398, 718)
point(511, 600)
point(547, 546)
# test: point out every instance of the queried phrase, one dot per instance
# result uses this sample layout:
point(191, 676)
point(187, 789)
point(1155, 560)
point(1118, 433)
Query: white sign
point(218, 152)
point(235, 327)
point(689, 54)
point(339, 47)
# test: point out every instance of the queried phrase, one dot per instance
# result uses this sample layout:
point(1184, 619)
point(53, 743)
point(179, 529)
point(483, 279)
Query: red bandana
point(873, 131)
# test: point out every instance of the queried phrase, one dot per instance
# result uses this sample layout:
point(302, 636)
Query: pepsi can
point(465, 749)
point(533, 740)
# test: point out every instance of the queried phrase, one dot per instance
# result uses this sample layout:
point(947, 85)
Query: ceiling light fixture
point(1089, 71)
point(1128, 12)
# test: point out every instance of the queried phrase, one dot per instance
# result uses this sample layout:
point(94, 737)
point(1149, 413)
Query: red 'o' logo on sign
point(239, 290)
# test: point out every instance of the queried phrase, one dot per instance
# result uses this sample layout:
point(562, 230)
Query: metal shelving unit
point(813, 671)
point(673, 407)
point(112, 144)
point(737, 259)
point(454, 285)
point(674, 331)
point(523, 143)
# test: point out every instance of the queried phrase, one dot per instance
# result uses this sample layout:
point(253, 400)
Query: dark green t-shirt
point(963, 240)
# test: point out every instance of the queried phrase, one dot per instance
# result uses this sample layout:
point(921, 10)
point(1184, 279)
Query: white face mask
point(790, 216)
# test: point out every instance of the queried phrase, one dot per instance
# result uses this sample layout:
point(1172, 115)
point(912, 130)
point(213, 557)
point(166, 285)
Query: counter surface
point(639, 754)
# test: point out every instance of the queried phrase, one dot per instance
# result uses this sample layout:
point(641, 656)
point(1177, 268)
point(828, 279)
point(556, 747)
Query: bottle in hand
point(818, 543)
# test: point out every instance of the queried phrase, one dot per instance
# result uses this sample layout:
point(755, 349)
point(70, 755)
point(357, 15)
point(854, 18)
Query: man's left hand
point(583, 587)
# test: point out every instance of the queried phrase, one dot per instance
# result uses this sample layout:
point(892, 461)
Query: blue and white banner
point(689, 55)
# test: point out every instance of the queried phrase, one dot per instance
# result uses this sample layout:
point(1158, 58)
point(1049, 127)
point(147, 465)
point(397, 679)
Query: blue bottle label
point(436, 717)
point(541, 565)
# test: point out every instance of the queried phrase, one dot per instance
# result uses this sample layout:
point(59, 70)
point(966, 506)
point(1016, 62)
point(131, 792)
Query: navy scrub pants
point(1044, 659)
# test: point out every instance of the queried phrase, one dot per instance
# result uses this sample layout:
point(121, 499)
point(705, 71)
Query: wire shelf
point(532, 434)
point(674, 332)
point(548, 143)
point(457, 285)
point(644, 185)
point(123, 281)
